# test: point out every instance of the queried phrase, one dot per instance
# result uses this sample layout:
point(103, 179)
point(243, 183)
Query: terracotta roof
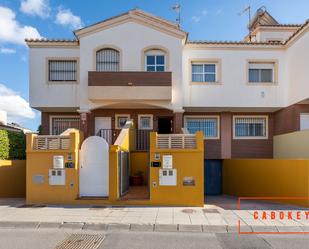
point(233, 43)
point(297, 32)
point(51, 40)
point(288, 25)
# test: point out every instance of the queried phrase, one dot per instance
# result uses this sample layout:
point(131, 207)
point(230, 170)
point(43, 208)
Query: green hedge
point(12, 145)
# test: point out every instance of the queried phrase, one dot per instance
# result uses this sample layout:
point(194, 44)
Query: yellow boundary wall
point(12, 178)
point(267, 178)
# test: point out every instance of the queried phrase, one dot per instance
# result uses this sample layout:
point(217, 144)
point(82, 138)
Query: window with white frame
point(121, 120)
point(208, 125)
point(204, 72)
point(60, 124)
point(145, 122)
point(107, 59)
point(261, 72)
point(250, 127)
point(155, 61)
point(62, 70)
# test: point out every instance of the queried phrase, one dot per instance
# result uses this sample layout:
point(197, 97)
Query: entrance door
point(102, 128)
point(94, 165)
point(165, 125)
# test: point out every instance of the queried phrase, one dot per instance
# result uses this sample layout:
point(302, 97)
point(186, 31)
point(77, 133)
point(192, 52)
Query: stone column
point(226, 135)
point(178, 122)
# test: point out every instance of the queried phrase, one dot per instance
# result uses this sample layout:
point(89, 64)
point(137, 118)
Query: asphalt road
point(50, 238)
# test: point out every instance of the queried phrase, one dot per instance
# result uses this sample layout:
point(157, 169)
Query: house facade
point(142, 67)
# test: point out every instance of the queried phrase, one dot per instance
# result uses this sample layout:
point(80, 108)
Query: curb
point(147, 227)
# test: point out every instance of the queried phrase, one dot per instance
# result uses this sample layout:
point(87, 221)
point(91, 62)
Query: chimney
point(3, 117)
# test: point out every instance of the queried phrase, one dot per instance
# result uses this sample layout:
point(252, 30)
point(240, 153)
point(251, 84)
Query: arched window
point(107, 59)
point(155, 60)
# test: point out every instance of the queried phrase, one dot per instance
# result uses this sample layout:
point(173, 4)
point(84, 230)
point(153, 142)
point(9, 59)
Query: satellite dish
point(261, 10)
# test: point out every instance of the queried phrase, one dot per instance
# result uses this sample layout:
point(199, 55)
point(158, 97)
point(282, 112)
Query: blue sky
point(203, 19)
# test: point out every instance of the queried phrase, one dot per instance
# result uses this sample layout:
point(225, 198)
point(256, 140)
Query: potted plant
point(136, 179)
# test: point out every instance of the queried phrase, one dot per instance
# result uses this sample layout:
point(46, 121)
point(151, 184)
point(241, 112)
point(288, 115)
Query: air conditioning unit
point(56, 177)
point(167, 177)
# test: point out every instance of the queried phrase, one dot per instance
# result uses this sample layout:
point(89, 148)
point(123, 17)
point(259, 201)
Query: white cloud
point(196, 18)
point(11, 31)
point(16, 107)
point(204, 12)
point(7, 51)
point(65, 17)
point(35, 8)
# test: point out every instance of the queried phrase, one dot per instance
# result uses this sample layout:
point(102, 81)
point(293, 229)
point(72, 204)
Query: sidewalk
point(219, 214)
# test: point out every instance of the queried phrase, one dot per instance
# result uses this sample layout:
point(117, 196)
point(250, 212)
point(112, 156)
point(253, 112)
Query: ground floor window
point(208, 124)
point(121, 120)
point(60, 124)
point(145, 122)
point(250, 127)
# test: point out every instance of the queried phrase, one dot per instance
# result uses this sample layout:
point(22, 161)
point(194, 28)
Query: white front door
point(94, 167)
point(104, 123)
point(304, 121)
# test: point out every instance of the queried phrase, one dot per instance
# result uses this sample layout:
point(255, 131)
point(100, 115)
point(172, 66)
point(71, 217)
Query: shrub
point(12, 145)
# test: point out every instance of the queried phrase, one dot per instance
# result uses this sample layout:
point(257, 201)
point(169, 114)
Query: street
point(49, 238)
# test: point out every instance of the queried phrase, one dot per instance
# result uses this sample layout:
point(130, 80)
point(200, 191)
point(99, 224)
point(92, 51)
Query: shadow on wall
point(12, 178)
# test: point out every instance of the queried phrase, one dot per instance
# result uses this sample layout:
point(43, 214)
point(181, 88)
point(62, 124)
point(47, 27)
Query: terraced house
point(141, 67)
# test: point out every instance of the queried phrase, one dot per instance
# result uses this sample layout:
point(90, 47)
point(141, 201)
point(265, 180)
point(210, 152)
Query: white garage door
point(304, 121)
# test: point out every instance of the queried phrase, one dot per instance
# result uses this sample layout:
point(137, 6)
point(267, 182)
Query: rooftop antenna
point(247, 10)
point(177, 8)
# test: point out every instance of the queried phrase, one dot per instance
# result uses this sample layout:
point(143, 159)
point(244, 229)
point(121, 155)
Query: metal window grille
point(107, 59)
point(250, 127)
point(59, 125)
point(64, 70)
point(204, 72)
point(208, 125)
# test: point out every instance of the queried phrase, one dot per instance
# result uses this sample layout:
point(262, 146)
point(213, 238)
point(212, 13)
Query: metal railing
point(51, 143)
point(176, 141)
point(141, 138)
point(110, 135)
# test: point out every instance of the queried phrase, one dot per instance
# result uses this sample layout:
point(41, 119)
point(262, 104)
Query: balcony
point(130, 85)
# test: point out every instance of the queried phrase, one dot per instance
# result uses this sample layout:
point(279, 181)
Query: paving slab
point(50, 225)
point(214, 229)
point(95, 226)
point(142, 227)
point(289, 229)
point(118, 226)
point(72, 225)
point(16, 224)
point(190, 228)
point(264, 229)
point(166, 227)
point(243, 228)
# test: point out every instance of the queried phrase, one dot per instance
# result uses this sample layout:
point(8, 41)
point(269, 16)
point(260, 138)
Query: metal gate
point(124, 171)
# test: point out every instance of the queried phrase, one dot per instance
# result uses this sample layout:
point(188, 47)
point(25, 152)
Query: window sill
point(262, 83)
point(206, 83)
point(62, 82)
point(211, 138)
point(250, 138)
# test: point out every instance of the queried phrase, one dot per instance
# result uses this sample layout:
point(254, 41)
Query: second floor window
point(155, 61)
point(204, 72)
point(261, 72)
point(107, 59)
point(62, 70)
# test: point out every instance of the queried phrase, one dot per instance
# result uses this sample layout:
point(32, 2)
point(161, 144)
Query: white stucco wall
point(264, 36)
point(298, 65)
point(233, 90)
point(132, 38)
point(44, 94)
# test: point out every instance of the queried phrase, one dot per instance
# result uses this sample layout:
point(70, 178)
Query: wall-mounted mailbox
point(155, 164)
point(167, 177)
point(58, 162)
point(56, 177)
point(167, 161)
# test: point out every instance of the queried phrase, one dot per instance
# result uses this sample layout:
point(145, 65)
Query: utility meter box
point(58, 162)
point(167, 177)
point(56, 177)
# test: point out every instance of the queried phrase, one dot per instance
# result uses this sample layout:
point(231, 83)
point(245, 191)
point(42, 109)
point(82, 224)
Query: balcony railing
point(130, 78)
point(176, 141)
point(141, 138)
